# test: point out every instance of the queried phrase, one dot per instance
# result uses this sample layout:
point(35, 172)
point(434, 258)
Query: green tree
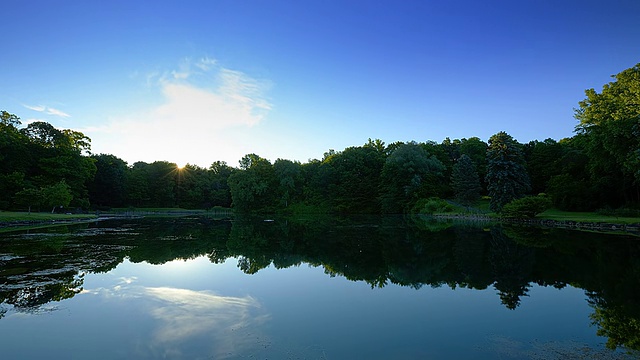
point(355, 179)
point(408, 174)
point(137, 185)
point(526, 207)
point(377, 145)
point(289, 177)
point(476, 149)
point(610, 121)
point(253, 189)
point(161, 181)
point(57, 195)
point(506, 177)
point(220, 194)
point(15, 159)
point(10, 184)
point(107, 188)
point(317, 178)
point(573, 189)
point(30, 197)
point(465, 181)
point(193, 188)
point(543, 160)
point(59, 155)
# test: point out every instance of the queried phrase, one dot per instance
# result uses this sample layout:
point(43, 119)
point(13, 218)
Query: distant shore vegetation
point(43, 168)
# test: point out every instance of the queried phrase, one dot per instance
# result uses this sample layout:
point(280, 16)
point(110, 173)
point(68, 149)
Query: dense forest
point(42, 167)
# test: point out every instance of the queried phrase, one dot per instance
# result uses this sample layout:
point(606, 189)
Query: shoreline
point(633, 229)
point(17, 225)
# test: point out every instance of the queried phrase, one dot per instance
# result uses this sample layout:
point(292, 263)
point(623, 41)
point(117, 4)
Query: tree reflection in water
point(36, 269)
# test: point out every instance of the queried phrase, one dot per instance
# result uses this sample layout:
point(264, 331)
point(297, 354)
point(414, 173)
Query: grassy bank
point(481, 210)
point(12, 221)
point(590, 217)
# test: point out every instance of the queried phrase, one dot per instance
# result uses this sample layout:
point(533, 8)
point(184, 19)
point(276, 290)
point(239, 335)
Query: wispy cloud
point(183, 316)
point(35, 108)
point(200, 102)
point(48, 110)
point(56, 112)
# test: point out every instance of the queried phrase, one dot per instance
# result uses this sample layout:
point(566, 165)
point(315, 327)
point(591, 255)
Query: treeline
point(599, 167)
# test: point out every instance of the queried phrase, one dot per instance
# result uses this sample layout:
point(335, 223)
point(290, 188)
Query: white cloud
point(56, 112)
point(35, 108)
point(48, 110)
point(183, 316)
point(206, 63)
point(201, 104)
point(185, 313)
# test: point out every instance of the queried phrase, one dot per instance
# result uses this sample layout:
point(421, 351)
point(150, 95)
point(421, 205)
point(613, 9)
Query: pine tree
point(507, 178)
point(465, 181)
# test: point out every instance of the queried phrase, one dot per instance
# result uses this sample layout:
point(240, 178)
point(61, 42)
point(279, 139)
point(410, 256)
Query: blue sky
point(201, 81)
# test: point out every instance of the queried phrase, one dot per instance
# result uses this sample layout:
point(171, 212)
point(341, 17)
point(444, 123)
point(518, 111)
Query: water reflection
point(36, 269)
point(185, 320)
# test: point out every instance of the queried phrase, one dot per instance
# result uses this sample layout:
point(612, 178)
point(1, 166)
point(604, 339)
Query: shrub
point(432, 205)
point(526, 207)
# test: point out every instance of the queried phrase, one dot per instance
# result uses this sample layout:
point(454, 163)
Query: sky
point(203, 81)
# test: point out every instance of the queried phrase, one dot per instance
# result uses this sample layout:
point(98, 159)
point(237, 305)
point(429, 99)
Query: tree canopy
point(598, 167)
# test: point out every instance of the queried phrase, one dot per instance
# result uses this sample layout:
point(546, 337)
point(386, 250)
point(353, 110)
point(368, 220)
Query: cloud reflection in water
point(184, 321)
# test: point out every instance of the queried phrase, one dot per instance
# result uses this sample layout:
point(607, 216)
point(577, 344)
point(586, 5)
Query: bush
point(526, 207)
point(432, 205)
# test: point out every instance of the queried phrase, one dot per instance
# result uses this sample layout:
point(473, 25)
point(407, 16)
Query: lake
point(317, 288)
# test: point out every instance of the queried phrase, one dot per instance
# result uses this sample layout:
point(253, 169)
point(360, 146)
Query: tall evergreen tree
point(507, 177)
point(465, 181)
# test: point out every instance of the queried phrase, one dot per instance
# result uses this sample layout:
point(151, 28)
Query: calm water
point(321, 288)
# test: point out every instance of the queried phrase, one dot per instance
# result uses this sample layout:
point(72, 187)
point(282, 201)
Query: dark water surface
point(317, 288)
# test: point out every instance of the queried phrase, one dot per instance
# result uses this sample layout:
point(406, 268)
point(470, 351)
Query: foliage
point(599, 167)
point(220, 195)
point(476, 149)
point(618, 326)
point(289, 177)
point(107, 188)
point(507, 177)
point(355, 179)
point(253, 188)
point(30, 197)
point(544, 160)
point(409, 173)
point(465, 181)
point(57, 195)
point(610, 123)
point(432, 206)
point(526, 207)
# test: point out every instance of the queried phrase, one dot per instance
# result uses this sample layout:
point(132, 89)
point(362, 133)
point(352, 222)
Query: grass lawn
point(12, 220)
point(555, 214)
point(482, 207)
